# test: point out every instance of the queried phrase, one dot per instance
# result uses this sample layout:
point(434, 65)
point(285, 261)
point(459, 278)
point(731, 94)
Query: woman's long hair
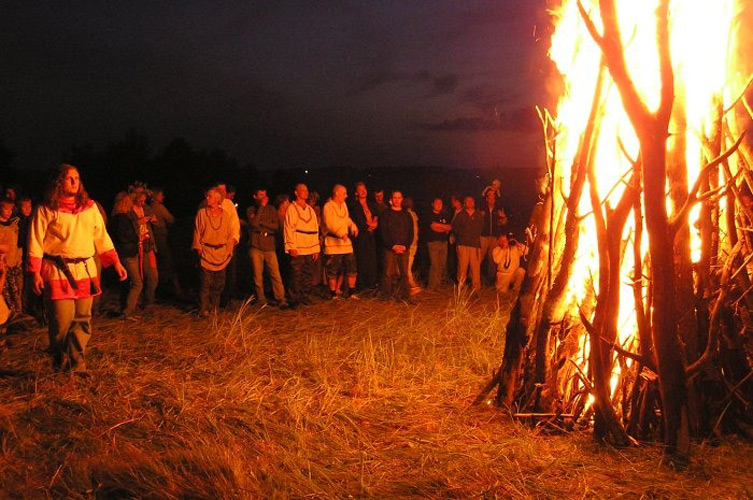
point(56, 190)
point(123, 203)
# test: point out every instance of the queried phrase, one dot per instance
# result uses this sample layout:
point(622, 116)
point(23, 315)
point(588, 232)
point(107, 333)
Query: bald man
point(339, 259)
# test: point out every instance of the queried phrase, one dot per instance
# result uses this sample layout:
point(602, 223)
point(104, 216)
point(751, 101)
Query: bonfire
point(634, 317)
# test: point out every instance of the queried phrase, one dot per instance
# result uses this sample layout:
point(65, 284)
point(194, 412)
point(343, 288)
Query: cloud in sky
point(382, 78)
point(521, 120)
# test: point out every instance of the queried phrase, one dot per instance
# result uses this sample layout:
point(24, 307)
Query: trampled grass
point(349, 399)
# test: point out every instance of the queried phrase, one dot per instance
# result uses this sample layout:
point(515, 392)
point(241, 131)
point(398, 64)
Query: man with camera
point(507, 257)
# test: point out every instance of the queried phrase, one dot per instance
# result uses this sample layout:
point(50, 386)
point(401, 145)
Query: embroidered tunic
point(211, 237)
point(336, 224)
point(301, 230)
point(73, 233)
point(9, 236)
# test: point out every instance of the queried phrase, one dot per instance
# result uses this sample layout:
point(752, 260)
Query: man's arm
point(103, 243)
point(412, 231)
point(291, 221)
point(197, 230)
point(167, 216)
point(386, 231)
point(269, 220)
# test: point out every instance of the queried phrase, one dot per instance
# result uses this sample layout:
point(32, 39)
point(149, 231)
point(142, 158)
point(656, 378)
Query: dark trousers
point(395, 267)
point(212, 284)
point(452, 261)
point(366, 258)
point(438, 258)
point(150, 279)
point(301, 278)
point(231, 273)
point(168, 278)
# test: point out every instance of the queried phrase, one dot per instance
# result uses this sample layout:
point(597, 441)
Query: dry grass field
point(347, 399)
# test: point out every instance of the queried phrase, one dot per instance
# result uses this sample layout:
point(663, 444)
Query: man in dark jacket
point(397, 235)
point(264, 224)
point(467, 227)
point(364, 215)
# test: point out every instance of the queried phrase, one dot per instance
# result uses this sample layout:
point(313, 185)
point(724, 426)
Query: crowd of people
point(52, 255)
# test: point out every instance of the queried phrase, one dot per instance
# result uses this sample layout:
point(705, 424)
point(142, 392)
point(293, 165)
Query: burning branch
point(713, 338)
point(681, 216)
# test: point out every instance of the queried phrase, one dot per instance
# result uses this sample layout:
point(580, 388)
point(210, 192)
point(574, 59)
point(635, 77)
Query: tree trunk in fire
point(652, 131)
point(672, 382)
point(685, 300)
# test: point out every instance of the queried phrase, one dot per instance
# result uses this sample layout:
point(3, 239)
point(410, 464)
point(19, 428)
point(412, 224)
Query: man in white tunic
point(66, 232)
point(339, 259)
point(302, 244)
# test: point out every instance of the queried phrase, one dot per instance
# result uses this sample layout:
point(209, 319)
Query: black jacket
point(397, 228)
point(124, 235)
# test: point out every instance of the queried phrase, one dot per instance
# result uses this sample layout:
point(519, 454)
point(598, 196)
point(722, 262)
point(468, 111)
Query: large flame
point(703, 56)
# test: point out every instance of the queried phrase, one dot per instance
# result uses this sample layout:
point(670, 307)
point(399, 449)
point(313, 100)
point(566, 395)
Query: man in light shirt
point(302, 244)
point(339, 259)
point(507, 258)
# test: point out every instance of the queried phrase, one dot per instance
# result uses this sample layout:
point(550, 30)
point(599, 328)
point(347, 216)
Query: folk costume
point(338, 247)
point(13, 288)
point(213, 240)
point(62, 245)
point(301, 234)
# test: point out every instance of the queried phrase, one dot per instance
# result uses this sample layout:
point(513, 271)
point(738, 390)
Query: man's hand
point(315, 257)
point(293, 252)
point(355, 232)
point(38, 283)
point(121, 271)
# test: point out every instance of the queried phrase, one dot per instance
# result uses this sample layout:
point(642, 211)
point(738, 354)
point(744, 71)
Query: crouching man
point(507, 258)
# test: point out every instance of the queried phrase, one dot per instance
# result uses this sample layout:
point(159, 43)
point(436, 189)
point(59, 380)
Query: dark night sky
point(278, 83)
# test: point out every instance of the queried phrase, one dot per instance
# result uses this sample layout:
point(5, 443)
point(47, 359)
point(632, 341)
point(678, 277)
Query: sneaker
point(283, 305)
point(131, 317)
point(354, 296)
